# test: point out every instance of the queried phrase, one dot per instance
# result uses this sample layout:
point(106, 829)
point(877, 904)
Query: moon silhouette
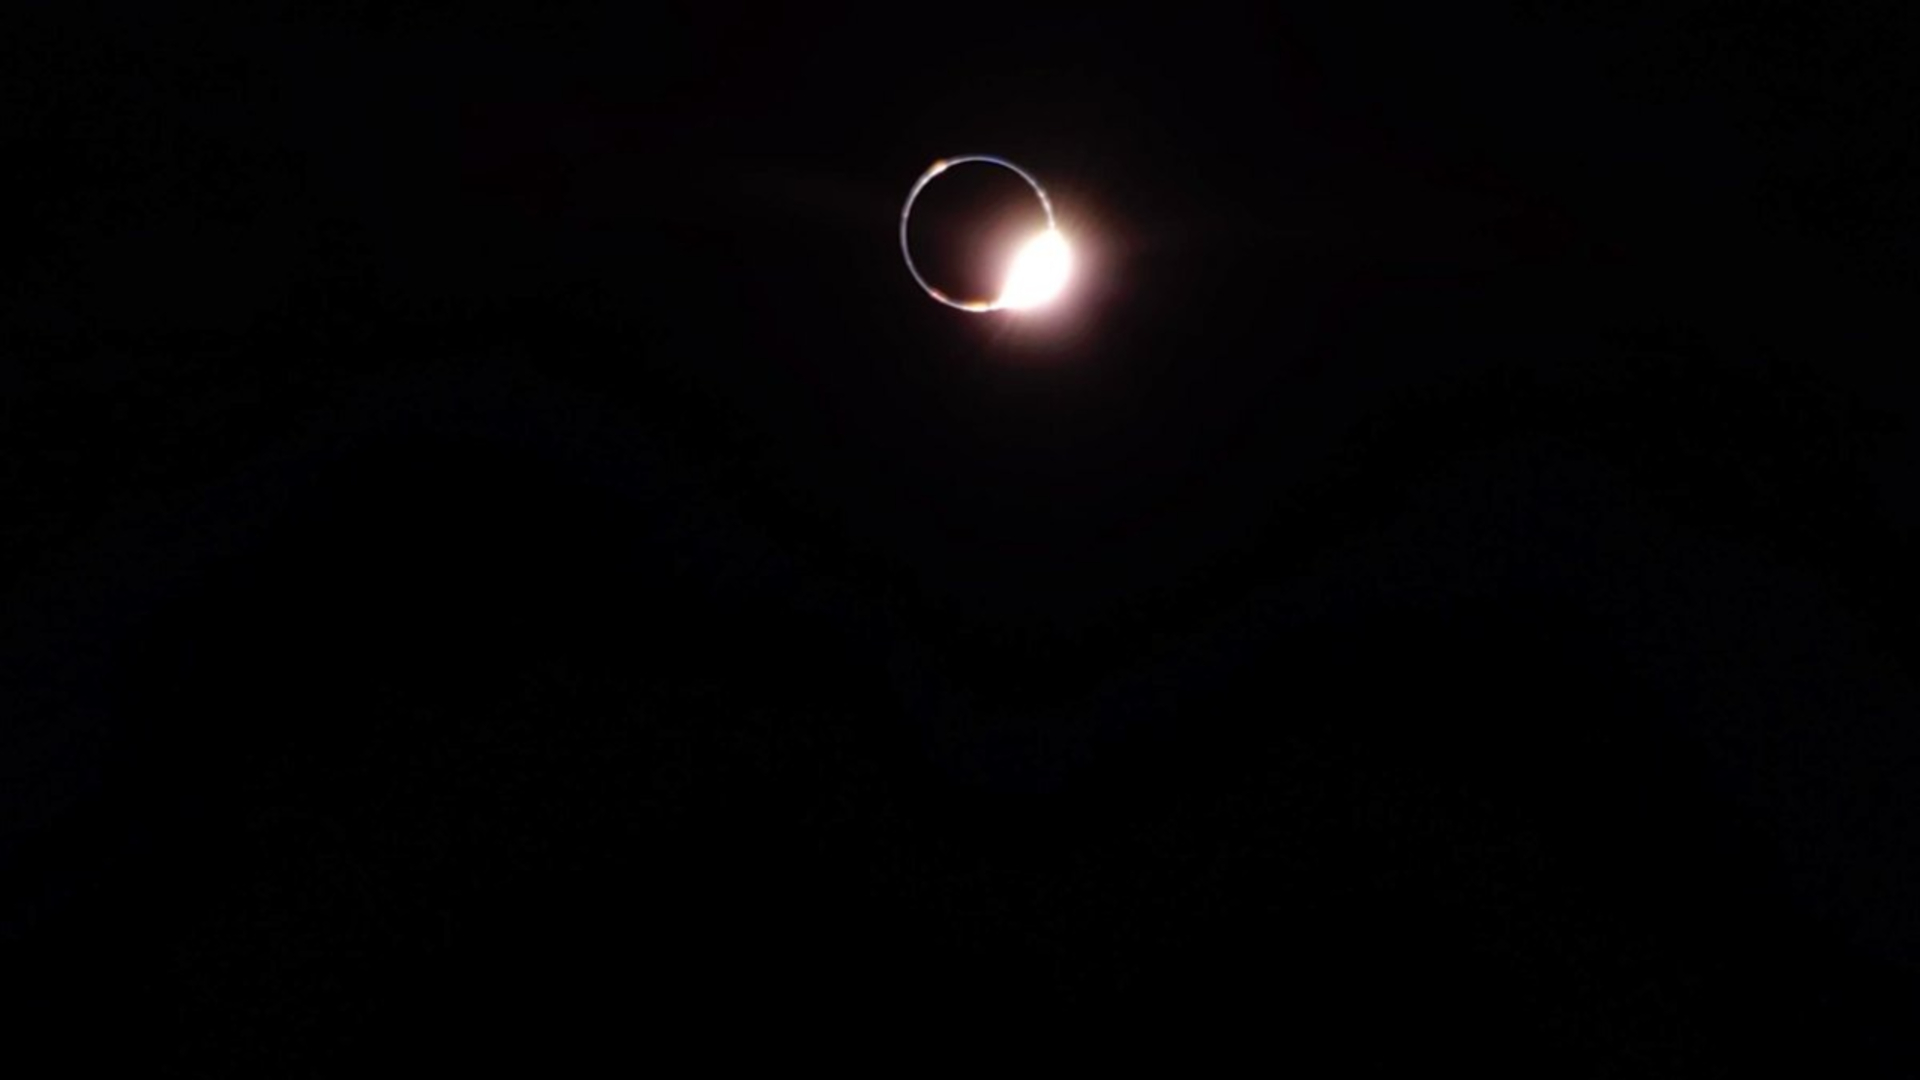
point(1038, 271)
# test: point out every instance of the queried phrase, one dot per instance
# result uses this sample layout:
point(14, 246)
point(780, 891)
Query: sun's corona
point(1039, 270)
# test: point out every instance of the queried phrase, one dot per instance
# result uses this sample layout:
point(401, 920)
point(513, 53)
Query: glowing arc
point(1039, 270)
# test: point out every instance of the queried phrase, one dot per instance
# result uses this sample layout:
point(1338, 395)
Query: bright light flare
point(1039, 272)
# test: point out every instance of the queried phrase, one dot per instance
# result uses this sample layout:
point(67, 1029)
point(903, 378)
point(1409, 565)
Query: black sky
point(501, 562)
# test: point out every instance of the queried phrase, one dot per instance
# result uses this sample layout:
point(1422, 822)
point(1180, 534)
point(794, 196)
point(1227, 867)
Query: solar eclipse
point(1037, 272)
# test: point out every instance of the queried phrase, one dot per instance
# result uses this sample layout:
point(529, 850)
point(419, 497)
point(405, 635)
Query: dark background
point(501, 564)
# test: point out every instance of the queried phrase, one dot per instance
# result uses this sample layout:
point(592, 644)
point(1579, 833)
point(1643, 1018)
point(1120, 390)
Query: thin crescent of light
point(906, 212)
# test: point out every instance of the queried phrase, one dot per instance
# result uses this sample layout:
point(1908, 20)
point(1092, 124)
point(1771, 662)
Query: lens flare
point(1039, 269)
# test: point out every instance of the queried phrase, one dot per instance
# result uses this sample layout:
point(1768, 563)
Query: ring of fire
point(1038, 272)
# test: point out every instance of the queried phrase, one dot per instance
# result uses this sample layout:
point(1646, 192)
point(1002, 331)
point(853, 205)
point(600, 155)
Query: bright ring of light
point(1048, 247)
